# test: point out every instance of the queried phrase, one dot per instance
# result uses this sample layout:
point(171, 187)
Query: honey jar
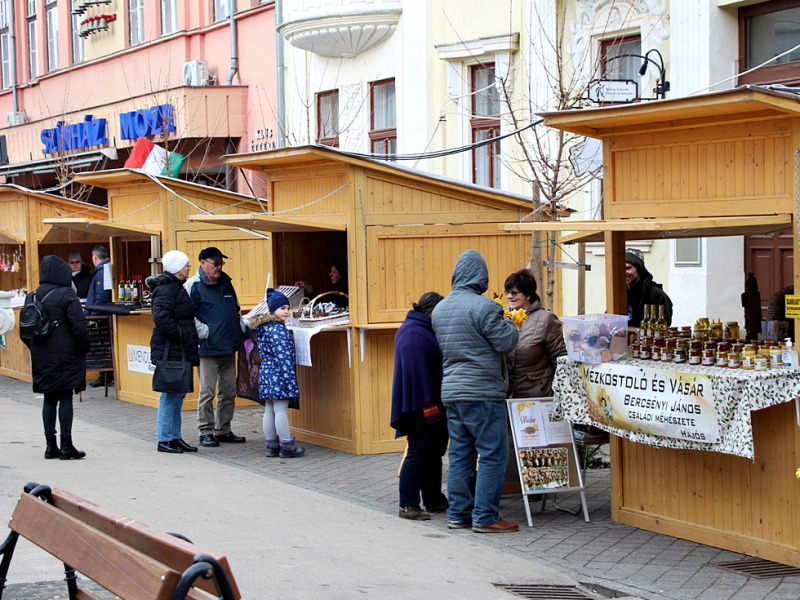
point(735, 356)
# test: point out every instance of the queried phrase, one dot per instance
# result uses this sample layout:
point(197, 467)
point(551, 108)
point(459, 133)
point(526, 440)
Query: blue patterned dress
point(277, 379)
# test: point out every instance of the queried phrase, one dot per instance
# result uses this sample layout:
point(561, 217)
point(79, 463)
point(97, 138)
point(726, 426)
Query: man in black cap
point(220, 330)
point(642, 289)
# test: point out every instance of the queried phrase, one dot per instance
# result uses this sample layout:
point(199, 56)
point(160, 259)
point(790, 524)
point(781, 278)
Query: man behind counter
point(642, 289)
point(81, 274)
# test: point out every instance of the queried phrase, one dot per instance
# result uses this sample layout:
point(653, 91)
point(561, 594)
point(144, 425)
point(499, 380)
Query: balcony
point(339, 28)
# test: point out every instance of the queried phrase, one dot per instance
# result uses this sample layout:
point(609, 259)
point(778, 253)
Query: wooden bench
point(127, 558)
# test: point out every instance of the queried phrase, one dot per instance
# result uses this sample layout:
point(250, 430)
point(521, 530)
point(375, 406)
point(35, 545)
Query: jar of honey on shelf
point(748, 357)
point(735, 356)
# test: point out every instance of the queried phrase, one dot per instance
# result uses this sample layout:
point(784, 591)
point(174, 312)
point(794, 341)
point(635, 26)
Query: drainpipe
point(12, 34)
point(230, 146)
point(281, 69)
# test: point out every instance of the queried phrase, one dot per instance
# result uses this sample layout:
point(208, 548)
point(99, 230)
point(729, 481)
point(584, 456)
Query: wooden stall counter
point(700, 453)
point(15, 358)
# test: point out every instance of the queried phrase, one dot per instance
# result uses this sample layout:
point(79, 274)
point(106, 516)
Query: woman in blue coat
point(277, 380)
point(418, 412)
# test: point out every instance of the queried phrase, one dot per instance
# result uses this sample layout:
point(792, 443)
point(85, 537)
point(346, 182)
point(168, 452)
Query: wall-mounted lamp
point(662, 86)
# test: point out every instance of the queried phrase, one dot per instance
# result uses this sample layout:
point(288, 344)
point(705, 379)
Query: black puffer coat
point(59, 360)
point(173, 315)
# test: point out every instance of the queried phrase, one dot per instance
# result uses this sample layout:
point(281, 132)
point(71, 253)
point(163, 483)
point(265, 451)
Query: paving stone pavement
point(615, 560)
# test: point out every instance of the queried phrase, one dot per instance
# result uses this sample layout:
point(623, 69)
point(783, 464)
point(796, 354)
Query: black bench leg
point(72, 581)
point(7, 550)
point(206, 567)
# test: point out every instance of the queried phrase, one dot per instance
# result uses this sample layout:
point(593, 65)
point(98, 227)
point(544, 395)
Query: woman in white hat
point(173, 315)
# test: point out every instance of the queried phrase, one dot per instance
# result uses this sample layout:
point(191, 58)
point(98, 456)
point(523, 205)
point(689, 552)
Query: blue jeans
point(168, 419)
point(476, 428)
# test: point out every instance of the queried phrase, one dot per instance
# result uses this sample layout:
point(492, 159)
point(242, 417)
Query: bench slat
point(118, 568)
point(168, 549)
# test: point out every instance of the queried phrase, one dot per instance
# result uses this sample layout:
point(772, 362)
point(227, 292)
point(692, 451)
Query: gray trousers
point(216, 373)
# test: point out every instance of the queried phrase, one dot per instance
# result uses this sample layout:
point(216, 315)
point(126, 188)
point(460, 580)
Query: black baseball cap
point(211, 253)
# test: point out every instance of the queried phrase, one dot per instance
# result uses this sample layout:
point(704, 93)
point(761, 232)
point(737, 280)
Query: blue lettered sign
point(146, 122)
point(90, 132)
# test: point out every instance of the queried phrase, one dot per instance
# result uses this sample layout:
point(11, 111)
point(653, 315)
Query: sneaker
point(459, 524)
point(415, 513)
point(501, 526)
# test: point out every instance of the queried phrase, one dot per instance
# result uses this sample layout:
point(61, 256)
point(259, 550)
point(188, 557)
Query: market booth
point(148, 216)
point(714, 165)
point(400, 233)
point(25, 238)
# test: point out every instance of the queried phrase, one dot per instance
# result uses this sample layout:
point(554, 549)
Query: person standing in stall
point(58, 361)
point(98, 294)
point(81, 274)
point(173, 317)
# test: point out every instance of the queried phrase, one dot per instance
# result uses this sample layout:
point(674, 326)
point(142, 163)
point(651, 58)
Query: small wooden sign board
point(545, 452)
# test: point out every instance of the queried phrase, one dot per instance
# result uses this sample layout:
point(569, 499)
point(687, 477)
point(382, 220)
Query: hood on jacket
point(55, 270)
point(160, 279)
point(261, 319)
point(471, 273)
point(637, 261)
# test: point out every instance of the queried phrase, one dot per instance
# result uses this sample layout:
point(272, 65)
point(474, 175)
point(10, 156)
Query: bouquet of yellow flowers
point(518, 316)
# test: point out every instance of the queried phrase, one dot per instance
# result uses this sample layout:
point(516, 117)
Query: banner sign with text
point(139, 360)
point(667, 403)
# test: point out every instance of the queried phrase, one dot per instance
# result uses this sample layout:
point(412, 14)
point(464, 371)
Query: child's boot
point(273, 447)
point(290, 450)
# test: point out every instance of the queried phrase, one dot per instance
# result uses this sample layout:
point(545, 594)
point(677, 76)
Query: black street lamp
point(662, 87)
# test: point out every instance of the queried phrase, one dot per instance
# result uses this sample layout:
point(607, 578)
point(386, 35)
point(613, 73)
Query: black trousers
point(57, 403)
point(422, 467)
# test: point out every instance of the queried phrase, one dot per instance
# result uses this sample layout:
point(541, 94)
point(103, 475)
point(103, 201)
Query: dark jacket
point(97, 294)
point(218, 318)
point(277, 377)
point(82, 280)
point(417, 370)
point(59, 361)
point(173, 316)
point(646, 291)
point(473, 335)
point(532, 364)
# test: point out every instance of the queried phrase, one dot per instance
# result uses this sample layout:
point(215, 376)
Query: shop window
point(485, 125)
point(77, 40)
point(328, 118)
point(768, 30)
point(33, 48)
point(621, 59)
point(51, 14)
point(383, 118)
point(169, 16)
point(221, 9)
point(135, 22)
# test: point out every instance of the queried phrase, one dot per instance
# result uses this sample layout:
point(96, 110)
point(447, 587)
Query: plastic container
point(789, 356)
point(596, 338)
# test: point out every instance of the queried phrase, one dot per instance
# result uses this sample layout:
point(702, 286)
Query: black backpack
point(33, 319)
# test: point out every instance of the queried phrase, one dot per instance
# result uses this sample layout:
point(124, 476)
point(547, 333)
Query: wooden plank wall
point(733, 169)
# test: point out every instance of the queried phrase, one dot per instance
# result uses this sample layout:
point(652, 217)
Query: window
point(77, 40)
point(221, 9)
point(169, 17)
point(328, 118)
point(33, 49)
point(31, 8)
point(5, 46)
point(687, 252)
point(485, 125)
point(765, 31)
point(135, 22)
point(383, 119)
point(617, 60)
point(52, 36)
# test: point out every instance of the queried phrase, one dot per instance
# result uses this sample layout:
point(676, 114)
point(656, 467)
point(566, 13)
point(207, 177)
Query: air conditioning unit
point(16, 118)
point(195, 73)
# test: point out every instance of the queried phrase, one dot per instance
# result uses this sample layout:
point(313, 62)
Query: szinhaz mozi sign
point(90, 132)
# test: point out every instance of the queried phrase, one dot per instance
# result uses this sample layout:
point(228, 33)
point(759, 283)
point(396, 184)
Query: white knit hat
point(174, 260)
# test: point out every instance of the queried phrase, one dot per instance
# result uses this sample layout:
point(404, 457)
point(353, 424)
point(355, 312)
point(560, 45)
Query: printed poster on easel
point(545, 451)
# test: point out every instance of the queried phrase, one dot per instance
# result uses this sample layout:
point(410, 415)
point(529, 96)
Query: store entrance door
point(769, 257)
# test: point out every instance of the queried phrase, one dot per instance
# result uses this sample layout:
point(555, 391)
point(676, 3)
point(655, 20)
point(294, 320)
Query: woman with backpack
point(58, 357)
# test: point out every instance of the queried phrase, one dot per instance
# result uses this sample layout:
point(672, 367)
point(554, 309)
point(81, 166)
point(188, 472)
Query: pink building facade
point(82, 80)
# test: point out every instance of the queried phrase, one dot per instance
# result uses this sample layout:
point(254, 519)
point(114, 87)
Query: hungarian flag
point(154, 160)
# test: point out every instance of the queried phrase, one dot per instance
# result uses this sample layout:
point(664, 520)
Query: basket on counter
point(308, 315)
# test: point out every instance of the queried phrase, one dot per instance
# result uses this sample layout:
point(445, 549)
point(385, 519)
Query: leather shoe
point(501, 526)
point(208, 441)
point(179, 443)
point(230, 438)
point(169, 447)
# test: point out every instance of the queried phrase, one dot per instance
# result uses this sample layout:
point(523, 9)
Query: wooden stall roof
point(747, 103)
point(319, 156)
point(743, 104)
point(101, 229)
point(271, 223)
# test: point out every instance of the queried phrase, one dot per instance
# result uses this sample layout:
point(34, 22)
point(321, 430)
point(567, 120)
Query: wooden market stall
point(400, 232)
point(148, 216)
point(25, 238)
point(714, 165)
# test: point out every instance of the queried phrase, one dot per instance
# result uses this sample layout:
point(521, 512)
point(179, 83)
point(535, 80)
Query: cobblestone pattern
point(621, 558)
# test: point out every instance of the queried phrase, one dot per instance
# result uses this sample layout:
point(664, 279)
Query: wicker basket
point(305, 316)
